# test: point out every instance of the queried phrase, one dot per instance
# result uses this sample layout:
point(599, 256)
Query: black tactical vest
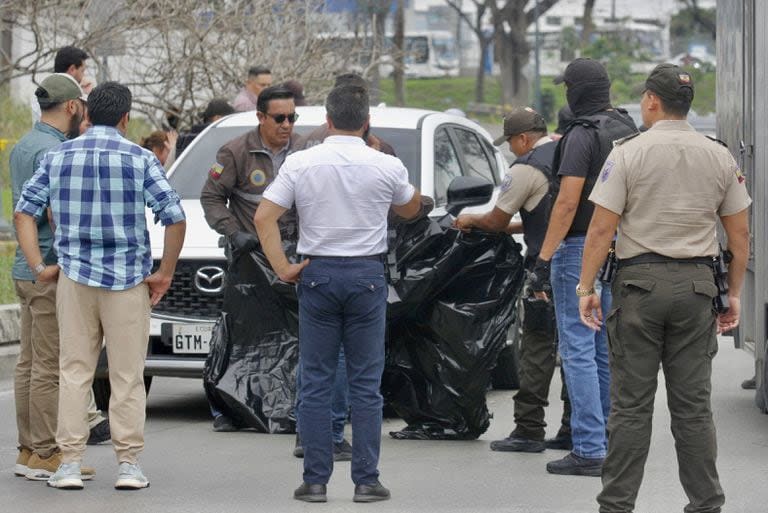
point(535, 221)
point(608, 126)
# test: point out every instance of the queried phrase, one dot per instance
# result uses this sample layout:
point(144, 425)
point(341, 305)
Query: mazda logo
point(209, 279)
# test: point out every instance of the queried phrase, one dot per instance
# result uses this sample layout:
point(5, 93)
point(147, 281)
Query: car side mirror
point(467, 191)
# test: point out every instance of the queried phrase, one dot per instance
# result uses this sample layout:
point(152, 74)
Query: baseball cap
point(57, 88)
point(671, 82)
point(519, 120)
point(582, 70)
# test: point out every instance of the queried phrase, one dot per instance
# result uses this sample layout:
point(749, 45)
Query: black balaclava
point(588, 87)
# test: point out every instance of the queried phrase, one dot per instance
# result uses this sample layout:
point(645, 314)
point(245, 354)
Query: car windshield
point(191, 170)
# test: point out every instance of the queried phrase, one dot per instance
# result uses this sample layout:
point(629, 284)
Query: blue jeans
point(339, 403)
point(584, 353)
point(342, 303)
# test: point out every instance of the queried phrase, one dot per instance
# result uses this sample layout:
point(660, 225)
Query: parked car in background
point(435, 148)
point(706, 124)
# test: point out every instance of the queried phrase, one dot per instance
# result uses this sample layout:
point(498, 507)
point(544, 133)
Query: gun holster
point(720, 271)
point(608, 270)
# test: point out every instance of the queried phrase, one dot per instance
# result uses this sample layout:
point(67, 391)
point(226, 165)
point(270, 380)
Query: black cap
point(671, 82)
point(582, 70)
point(519, 120)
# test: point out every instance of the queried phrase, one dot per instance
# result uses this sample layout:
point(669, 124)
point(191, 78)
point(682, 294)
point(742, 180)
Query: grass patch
point(441, 93)
point(15, 121)
point(7, 292)
point(445, 93)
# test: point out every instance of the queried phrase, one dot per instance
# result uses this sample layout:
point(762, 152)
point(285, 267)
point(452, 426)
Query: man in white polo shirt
point(343, 191)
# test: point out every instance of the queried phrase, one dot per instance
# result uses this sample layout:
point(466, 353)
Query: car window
point(191, 169)
point(475, 155)
point(447, 165)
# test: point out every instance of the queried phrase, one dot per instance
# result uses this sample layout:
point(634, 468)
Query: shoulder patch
point(606, 172)
point(506, 184)
point(718, 141)
point(740, 176)
point(215, 171)
point(619, 142)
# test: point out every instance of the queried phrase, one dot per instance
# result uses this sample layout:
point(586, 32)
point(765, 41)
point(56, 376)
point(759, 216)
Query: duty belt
point(378, 258)
point(655, 258)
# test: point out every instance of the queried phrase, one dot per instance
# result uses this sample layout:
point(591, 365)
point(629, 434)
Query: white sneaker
point(130, 477)
point(67, 477)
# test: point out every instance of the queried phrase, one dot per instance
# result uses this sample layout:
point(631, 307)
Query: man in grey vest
point(526, 188)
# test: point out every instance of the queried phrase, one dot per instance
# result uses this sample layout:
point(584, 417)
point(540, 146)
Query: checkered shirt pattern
point(97, 186)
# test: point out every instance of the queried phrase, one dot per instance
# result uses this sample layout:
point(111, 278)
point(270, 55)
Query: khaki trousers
point(36, 377)
point(662, 315)
point(121, 318)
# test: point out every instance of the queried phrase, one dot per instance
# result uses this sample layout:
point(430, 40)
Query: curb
point(9, 340)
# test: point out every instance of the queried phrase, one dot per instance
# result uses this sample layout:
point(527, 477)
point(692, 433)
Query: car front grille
point(193, 297)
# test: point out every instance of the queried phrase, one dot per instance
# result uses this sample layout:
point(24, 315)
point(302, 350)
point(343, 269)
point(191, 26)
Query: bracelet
point(36, 270)
point(584, 292)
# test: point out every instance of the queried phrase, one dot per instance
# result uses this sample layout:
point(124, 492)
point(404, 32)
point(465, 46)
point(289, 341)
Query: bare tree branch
point(181, 53)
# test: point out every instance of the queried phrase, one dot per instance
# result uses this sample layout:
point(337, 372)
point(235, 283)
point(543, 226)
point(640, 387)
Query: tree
point(399, 57)
point(510, 23)
point(376, 11)
point(587, 23)
point(691, 24)
point(485, 39)
point(704, 18)
point(178, 52)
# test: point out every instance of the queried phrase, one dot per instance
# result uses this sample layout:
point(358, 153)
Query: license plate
point(191, 338)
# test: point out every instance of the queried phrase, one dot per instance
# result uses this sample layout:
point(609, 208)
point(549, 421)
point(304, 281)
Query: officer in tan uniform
point(245, 166)
point(665, 190)
point(526, 188)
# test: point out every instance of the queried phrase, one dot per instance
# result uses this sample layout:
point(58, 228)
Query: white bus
point(428, 54)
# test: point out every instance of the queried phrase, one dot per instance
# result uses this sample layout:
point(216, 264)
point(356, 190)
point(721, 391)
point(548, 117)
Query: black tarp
point(451, 302)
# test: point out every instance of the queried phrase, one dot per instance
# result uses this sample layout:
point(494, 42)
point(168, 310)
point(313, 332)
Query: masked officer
point(579, 157)
point(526, 188)
point(665, 190)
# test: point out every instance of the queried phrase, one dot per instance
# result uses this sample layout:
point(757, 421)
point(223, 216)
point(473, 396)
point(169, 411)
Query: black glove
point(243, 241)
point(539, 278)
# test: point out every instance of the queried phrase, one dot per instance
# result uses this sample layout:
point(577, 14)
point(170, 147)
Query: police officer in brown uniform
point(665, 190)
point(526, 188)
point(245, 166)
point(243, 169)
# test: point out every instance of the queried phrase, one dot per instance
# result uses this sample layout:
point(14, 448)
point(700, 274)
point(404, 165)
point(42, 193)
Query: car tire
point(102, 390)
point(505, 375)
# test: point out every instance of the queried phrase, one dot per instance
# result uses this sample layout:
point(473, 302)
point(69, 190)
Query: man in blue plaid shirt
point(97, 187)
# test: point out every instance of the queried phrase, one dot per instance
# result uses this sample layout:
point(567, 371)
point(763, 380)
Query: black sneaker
point(514, 443)
point(99, 433)
point(370, 493)
point(559, 443)
point(310, 493)
point(342, 451)
point(224, 424)
point(298, 450)
point(574, 465)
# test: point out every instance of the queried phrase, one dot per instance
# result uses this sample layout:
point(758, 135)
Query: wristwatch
point(584, 292)
point(36, 270)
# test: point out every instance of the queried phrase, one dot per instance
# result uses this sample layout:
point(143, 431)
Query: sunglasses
point(280, 118)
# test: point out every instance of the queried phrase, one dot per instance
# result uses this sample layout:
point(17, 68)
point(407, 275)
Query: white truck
point(742, 123)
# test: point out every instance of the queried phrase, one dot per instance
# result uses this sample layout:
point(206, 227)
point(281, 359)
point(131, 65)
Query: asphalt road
point(193, 469)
